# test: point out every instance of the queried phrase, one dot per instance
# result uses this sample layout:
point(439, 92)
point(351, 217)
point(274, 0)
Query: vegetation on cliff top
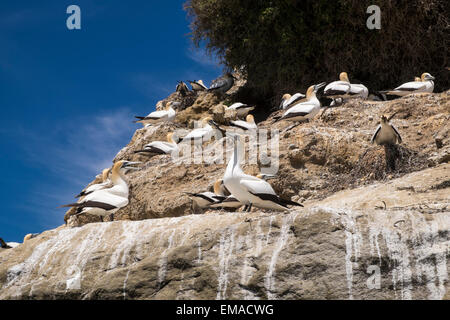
point(286, 45)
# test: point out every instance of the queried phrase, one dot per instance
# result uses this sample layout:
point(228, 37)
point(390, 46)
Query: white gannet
point(158, 116)
point(182, 88)
point(248, 124)
point(248, 189)
point(304, 110)
point(241, 109)
point(266, 176)
point(205, 132)
point(224, 200)
point(198, 85)
point(425, 84)
point(107, 201)
point(288, 101)
point(98, 186)
point(344, 89)
point(386, 133)
point(222, 85)
point(205, 199)
point(30, 236)
point(160, 147)
point(8, 245)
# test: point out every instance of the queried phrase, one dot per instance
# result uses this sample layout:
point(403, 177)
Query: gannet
point(205, 199)
point(224, 200)
point(425, 84)
point(158, 116)
point(182, 88)
point(386, 133)
point(30, 236)
point(249, 124)
point(266, 176)
point(304, 110)
point(160, 147)
point(248, 189)
point(288, 101)
point(197, 85)
point(222, 85)
point(344, 89)
point(8, 245)
point(107, 201)
point(98, 186)
point(205, 132)
point(241, 109)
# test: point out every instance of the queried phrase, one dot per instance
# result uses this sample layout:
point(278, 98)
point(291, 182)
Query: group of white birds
point(236, 188)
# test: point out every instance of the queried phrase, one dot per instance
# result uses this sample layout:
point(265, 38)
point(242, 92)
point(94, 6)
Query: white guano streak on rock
point(226, 245)
point(163, 259)
point(125, 285)
point(19, 275)
point(431, 261)
point(124, 243)
point(269, 281)
point(246, 269)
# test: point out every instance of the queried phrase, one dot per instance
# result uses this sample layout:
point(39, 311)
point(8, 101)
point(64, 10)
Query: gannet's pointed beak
point(320, 85)
point(128, 165)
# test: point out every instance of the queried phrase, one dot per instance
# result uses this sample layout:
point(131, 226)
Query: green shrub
point(284, 46)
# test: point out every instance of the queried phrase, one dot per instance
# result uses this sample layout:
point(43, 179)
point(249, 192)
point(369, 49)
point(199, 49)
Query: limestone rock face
point(348, 246)
point(372, 227)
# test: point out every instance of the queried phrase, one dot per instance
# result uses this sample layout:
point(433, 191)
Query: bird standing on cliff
point(160, 147)
point(425, 84)
point(225, 199)
point(288, 101)
point(344, 89)
point(205, 199)
point(205, 132)
point(386, 133)
point(107, 201)
point(241, 109)
point(98, 186)
point(182, 88)
point(158, 116)
point(304, 110)
point(248, 189)
point(222, 85)
point(249, 124)
point(198, 85)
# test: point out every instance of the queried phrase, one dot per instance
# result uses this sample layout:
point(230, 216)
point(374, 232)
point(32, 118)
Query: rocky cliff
point(368, 231)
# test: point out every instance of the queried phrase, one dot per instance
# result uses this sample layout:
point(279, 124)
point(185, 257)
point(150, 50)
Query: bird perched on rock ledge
point(386, 133)
point(222, 85)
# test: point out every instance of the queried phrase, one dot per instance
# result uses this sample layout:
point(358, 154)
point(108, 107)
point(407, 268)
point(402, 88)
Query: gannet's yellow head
point(344, 77)
point(250, 119)
point(426, 77)
point(310, 92)
point(286, 96)
point(206, 120)
point(170, 137)
point(217, 186)
point(417, 79)
point(105, 174)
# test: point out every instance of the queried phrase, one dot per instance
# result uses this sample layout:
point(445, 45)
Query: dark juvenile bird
point(386, 133)
point(222, 85)
point(182, 88)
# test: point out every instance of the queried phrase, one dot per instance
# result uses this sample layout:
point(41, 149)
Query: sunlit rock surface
point(323, 251)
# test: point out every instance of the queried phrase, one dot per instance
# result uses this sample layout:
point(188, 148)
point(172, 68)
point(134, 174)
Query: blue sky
point(68, 97)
